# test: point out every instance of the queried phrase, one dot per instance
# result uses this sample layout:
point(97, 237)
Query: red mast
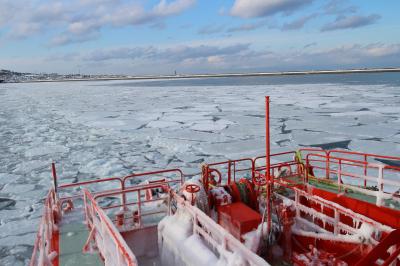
point(267, 159)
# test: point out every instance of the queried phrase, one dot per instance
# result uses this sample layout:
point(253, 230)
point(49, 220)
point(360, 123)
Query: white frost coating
point(172, 232)
point(365, 233)
point(220, 195)
point(232, 259)
point(180, 247)
point(252, 238)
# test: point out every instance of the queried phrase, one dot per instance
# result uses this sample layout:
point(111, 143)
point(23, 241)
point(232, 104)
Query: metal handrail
point(356, 163)
point(45, 249)
point(216, 235)
point(101, 226)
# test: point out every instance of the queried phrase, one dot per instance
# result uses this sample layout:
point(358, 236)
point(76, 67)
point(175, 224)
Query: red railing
point(45, 250)
point(226, 171)
point(385, 253)
point(347, 169)
point(122, 183)
point(286, 159)
point(106, 236)
point(132, 219)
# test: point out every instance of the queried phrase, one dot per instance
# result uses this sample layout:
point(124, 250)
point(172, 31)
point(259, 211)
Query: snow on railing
point(219, 239)
point(45, 250)
point(106, 236)
point(341, 231)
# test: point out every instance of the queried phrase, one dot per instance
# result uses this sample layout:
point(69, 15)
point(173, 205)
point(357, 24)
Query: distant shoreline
point(227, 75)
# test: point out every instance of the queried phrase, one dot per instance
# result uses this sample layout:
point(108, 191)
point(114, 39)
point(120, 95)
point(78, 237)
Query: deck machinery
point(304, 207)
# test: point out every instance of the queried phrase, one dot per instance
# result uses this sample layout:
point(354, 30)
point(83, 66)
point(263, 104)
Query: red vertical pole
point(53, 170)
point(229, 172)
point(365, 169)
point(268, 164)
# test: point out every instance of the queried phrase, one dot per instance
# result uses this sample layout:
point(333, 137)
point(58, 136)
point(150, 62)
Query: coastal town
point(8, 76)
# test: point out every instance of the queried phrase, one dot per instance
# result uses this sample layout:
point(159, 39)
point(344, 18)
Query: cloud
point(23, 30)
point(247, 27)
point(168, 9)
point(262, 8)
point(82, 20)
point(351, 22)
point(298, 23)
point(308, 45)
point(228, 58)
point(211, 29)
point(171, 54)
point(339, 7)
point(66, 38)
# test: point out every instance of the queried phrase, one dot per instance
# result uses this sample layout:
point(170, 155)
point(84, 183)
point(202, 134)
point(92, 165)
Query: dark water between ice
point(392, 79)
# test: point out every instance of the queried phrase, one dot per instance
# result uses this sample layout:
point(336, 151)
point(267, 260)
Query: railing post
point(123, 194)
point(307, 165)
point(296, 202)
point(365, 169)
point(327, 172)
point(53, 170)
point(229, 171)
point(139, 209)
point(336, 225)
point(234, 171)
point(339, 174)
point(379, 195)
point(253, 168)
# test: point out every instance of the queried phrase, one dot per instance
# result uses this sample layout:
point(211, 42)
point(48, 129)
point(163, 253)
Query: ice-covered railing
point(220, 240)
point(105, 235)
point(318, 218)
point(370, 178)
point(45, 249)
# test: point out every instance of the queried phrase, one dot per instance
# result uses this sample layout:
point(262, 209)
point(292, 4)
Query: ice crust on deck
point(96, 129)
point(179, 246)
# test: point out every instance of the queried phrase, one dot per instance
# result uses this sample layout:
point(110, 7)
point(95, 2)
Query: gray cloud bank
point(351, 22)
point(230, 58)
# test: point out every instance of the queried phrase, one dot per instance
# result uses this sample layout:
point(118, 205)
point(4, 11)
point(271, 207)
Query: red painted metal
point(93, 211)
point(192, 189)
point(153, 173)
point(54, 173)
point(383, 215)
point(238, 219)
point(270, 181)
point(46, 247)
point(387, 251)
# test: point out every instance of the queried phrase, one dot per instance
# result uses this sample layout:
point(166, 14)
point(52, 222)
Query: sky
point(153, 37)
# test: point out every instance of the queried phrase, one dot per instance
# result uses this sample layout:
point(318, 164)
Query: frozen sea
point(117, 127)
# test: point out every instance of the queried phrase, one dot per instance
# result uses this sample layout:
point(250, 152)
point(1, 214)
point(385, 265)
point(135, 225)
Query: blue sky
point(161, 36)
